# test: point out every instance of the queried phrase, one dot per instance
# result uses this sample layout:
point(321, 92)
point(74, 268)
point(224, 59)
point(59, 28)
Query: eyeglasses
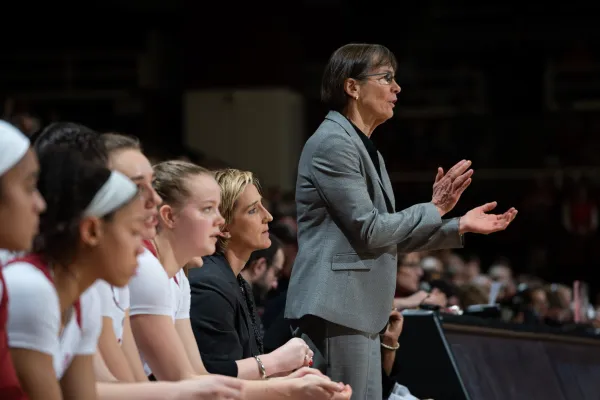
point(386, 78)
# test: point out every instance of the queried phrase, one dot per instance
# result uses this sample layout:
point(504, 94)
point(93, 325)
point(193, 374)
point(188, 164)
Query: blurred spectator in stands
point(472, 268)
point(454, 268)
point(539, 302)
point(526, 280)
point(432, 267)
point(471, 294)
point(444, 294)
point(531, 305)
point(286, 232)
point(409, 291)
point(559, 304)
point(501, 272)
point(484, 283)
point(262, 271)
point(409, 274)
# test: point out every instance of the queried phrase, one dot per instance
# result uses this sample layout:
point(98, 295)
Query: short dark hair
point(351, 61)
point(116, 141)
point(73, 136)
point(268, 254)
point(68, 183)
point(284, 233)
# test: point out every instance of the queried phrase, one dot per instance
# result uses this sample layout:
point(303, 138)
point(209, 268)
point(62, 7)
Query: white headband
point(13, 146)
point(115, 192)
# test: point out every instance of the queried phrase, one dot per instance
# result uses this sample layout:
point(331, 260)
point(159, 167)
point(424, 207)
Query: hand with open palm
point(479, 221)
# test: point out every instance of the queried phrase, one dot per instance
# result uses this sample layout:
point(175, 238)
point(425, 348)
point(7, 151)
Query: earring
point(356, 97)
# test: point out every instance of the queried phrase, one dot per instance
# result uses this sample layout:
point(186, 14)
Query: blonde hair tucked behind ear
point(232, 183)
point(170, 180)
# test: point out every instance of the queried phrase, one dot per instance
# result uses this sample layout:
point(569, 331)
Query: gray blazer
point(348, 239)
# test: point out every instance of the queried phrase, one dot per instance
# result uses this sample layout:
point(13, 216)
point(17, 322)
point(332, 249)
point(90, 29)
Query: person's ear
point(167, 216)
point(91, 231)
point(352, 88)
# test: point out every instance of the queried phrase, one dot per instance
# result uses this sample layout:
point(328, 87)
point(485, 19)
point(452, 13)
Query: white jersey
point(34, 317)
point(6, 256)
point(114, 304)
point(151, 292)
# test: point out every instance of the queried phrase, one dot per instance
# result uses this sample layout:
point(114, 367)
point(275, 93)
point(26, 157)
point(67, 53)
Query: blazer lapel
point(247, 318)
point(387, 189)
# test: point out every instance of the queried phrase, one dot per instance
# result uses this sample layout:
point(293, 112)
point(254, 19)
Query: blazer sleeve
point(212, 316)
point(337, 176)
point(445, 237)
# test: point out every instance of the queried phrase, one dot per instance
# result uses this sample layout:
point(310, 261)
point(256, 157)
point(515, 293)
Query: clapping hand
point(478, 221)
point(448, 187)
point(291, 356)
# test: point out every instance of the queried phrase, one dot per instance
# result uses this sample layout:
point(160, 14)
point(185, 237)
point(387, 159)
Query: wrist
point(277, 388)
point(175, 390)
point(266, 389)
point(390, 344)
point(425, 297)
point(271, 364)
point(462, 227)
point(389, 340)
point(262, 371)
point(440, 210)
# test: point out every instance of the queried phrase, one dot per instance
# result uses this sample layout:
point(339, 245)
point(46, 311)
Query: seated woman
point(189, 225)
point(117, 358)
point(159, 298)
point(118, 347)
point(20, 206)
point(90, 231)
point(408, 279)
point(101, 150)
point(224, 318)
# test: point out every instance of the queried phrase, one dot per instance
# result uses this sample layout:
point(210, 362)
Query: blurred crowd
point(444, 280)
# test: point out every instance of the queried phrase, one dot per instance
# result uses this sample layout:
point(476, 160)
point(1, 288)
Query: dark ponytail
point(68, 183)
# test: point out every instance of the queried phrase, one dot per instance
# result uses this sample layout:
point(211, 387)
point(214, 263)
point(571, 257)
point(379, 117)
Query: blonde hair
point(170, 180)
point(232, 183)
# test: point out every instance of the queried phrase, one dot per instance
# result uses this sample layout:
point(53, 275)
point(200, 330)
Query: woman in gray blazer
point(349, 233)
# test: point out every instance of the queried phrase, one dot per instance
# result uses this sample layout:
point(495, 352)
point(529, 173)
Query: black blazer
point(220, 317)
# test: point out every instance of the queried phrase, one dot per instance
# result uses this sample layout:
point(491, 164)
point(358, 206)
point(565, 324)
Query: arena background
point(515, 87)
